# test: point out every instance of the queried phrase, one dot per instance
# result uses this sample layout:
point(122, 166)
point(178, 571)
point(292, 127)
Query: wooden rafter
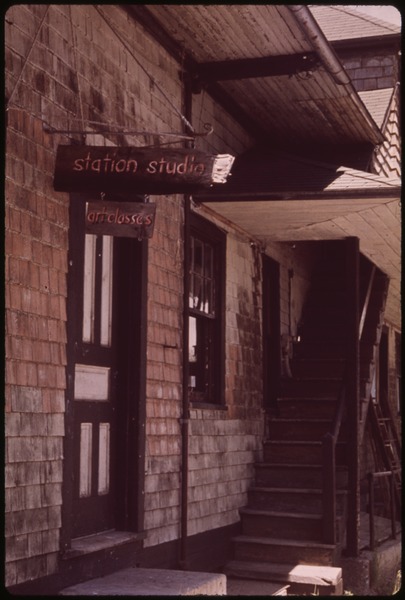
point(265, 66)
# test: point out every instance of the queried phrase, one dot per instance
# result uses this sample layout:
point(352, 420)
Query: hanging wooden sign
point(139, 170)
point(120, 219)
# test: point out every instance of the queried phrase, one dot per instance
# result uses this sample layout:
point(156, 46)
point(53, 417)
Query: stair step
point(313, 367)
point(304, 579)
point(288, 525)
point(301, 407)
point(267, 549)
point(301, 386)
point(308, 348)
point(291, 499)
point(298, 429)
point(295, 475)
point(297, 451)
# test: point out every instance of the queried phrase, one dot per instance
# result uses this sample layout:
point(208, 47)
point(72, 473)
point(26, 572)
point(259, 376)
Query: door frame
point(271, 323)
point(130, 487)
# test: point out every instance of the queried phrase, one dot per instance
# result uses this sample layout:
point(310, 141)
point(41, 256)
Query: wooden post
point(371, 509)
point(329, 489)
point(353, 392)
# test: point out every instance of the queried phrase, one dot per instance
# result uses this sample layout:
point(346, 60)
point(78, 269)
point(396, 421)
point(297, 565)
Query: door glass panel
point(104, 459)
point(85, 459)
point(89, 282)
point(106, 291)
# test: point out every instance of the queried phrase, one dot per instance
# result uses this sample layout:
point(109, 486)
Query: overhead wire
point(141, 66)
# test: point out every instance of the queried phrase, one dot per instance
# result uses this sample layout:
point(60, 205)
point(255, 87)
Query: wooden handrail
point(366, 301)
point(371, 477)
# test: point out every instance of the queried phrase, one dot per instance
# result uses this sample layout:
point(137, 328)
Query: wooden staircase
point(282, 527)
point(283, 535)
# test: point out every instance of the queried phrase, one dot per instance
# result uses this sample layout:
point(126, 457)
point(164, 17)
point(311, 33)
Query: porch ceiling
point(263, 62)
point(280, 197)
point(375, 221)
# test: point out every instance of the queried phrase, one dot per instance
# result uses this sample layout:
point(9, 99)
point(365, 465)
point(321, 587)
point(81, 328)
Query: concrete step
point(134, 581)
point(295, 475)
point(267, 549)
point(299, 451)
point(291, 499)
point(301, 579)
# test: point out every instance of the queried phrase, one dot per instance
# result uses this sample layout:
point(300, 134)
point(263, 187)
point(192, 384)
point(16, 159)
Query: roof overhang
point(326, 203)
point(270, 66)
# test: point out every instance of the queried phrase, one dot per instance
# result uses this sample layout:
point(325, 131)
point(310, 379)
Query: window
point(205, 308)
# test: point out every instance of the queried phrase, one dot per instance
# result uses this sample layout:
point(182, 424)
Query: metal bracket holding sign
point(120, 219)
point(138, 170)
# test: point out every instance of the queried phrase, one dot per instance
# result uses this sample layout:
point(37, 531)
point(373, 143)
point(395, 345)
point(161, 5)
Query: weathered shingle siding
point(111, 87)
point(372, 71)
point(387, 158)
point(36, 225)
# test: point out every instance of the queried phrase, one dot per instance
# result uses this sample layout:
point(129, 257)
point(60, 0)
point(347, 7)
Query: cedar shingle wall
point(114, 88)
point(387, 158)
point(372, 71)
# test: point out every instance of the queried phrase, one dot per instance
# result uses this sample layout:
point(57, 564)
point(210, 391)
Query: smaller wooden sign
point(120, 219)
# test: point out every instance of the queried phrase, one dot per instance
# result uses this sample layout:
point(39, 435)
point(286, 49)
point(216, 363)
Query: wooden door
point(103, 450)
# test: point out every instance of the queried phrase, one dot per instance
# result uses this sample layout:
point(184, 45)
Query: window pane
point(106, 290)
point(201, 353)
point(104, 459)
point(85, 459)
point(89, 287)
point(198, 257)
point(202, 277)
point(205, 331)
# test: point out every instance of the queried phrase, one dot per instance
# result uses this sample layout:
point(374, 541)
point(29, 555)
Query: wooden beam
point(353, 393)
point(265, 66)
point(142, 15)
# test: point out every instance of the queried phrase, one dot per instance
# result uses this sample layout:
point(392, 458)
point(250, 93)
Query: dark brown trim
point(353, 392)
point(212, 197)
point(208, 551)
point(265, 66)
point(271, 332)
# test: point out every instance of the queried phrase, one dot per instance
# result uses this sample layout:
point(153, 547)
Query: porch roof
point(271, 66)
point(276, 197)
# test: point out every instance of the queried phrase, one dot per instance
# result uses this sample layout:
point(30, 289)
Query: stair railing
point(371, 480)
point(329, 442)
point(366, 301)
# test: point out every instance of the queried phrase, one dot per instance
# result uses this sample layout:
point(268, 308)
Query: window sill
point(100, 541)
